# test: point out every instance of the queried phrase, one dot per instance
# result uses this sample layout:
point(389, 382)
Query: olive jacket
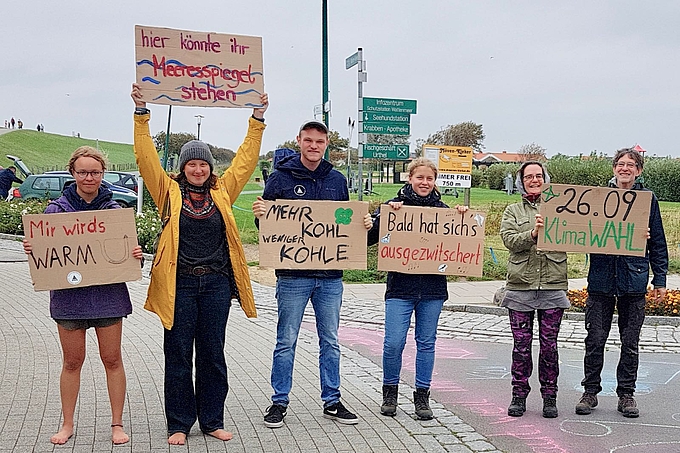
point(529, 268)
point(161, 294)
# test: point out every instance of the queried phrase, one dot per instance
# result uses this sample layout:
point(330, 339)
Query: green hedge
point(660, 174)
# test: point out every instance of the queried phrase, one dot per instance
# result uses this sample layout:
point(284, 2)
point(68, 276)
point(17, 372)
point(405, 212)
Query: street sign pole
point(357, 59)
point(361, 78)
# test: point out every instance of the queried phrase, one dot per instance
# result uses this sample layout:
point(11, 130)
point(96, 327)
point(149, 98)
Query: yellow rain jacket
point(161, 295)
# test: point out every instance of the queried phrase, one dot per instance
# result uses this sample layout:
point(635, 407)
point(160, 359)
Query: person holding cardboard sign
point(198, 269)
point(306, 176)
point(102, 307)
point(406, 294)
point(617, 281)
point(536, 283)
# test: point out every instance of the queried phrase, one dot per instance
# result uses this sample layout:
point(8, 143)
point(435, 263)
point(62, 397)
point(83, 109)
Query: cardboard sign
point(454, 164)
point(205, 69)
point(594, 220)
point(304, 234)
point(83, 248)
point(420, 240)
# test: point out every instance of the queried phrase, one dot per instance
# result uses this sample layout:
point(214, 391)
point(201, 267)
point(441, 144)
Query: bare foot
point(118, 436)
point(221, 434)
point(62, 436)
point(177, 439)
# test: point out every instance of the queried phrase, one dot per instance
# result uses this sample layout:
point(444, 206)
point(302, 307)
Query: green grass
point(41, 151)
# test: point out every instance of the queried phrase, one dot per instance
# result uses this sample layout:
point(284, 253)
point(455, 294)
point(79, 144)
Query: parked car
point(50, 185)
point(20, 166)
point(122, 179)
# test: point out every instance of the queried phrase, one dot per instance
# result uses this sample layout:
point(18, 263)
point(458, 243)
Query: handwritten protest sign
point(454, 164)
point(303, 234)
point(82, 248)
point(206, 69)
point(419, 240)
point(594, 219)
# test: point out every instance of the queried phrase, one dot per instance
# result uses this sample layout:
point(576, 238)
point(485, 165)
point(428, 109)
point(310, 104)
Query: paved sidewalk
point(30, 362)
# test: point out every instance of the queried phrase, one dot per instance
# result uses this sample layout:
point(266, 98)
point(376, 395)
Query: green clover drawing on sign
point(343, 216)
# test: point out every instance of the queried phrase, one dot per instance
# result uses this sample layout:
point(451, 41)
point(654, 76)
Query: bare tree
point(532, 151)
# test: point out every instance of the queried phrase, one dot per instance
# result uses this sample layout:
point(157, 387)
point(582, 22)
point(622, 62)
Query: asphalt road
point(473, 380)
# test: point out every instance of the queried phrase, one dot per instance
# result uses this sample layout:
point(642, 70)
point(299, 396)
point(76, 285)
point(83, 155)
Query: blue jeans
point(201, 311)
point(397, 320)
point(292, 295)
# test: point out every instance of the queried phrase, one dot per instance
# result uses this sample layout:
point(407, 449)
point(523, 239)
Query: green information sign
point(397, 118)
point(381, 105)
point(387, 128)
point(392, 152)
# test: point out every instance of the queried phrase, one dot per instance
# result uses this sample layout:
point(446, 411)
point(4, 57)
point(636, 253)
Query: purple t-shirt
point(89, 302)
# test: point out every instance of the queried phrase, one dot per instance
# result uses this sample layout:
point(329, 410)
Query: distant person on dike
point(12, 122)
point(536, 283)
point(199, 268)
point(307, 176)
point(422, 294)
point(8, 176)
point(616, 281)
point(102, 307)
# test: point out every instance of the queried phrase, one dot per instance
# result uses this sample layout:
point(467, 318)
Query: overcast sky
point(572, 76)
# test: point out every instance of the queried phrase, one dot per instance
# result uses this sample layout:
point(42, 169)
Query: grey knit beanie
point(195, 149)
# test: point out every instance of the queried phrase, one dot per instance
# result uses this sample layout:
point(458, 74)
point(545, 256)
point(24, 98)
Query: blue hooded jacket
point(291, 180)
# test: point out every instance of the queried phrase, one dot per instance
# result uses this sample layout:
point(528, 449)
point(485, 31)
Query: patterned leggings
point(522, 325)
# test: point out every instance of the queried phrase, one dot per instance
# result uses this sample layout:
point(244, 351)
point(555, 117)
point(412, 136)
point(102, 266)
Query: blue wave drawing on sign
point(255, 106)
point(152, 80)
point(247, 91)
point(168, 97)
point(150, 63)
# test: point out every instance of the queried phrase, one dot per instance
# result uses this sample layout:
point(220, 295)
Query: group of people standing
point(11, 124)
point(536, 285)
point(200, 268)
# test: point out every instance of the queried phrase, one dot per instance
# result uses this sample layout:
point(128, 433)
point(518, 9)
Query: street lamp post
point(198, 122)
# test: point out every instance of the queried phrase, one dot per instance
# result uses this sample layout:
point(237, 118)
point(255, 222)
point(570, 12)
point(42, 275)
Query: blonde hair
point(86, 151)
point(423, 162)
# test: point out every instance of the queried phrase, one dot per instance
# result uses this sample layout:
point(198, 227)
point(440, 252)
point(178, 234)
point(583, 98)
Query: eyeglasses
point(538, 177)
point(82, 174)
point(626, 165)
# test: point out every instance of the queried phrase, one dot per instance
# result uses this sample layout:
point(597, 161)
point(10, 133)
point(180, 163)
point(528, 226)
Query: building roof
point(504, 157)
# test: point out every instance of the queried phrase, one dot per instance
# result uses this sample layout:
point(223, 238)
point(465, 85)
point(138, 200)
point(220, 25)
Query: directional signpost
point(387, 117)
point(390, 105)
point(391, 152)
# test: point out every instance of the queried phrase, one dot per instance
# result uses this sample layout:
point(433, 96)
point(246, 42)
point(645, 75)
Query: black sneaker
point(274, 416)
point(628, 407)
point(587, 403)
point(340, 414)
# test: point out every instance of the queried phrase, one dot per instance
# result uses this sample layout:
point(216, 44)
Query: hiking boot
point(518, 406)
point(587, 403)
point(389, 405)
point(628, 407)
point(421, 399)
point(274, 416)
point(340, 414)
point(549, 407)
